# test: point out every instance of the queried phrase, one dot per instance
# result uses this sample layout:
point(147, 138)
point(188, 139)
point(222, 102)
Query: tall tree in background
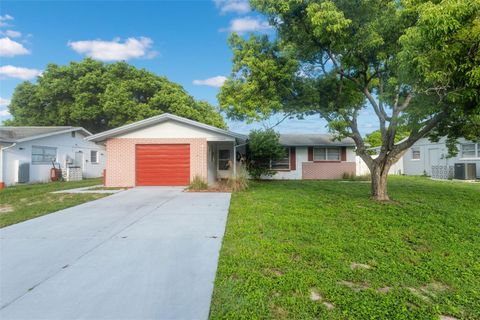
point(99, 96)
point(415, 63)
point(374, 138)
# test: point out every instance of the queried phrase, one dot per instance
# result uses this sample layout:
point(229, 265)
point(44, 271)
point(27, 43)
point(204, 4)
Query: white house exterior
point(38, 146)
point(425, 155)
point(431, 158)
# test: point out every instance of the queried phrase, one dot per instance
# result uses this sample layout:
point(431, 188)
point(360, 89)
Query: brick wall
point(327, 170)
point(120, 167)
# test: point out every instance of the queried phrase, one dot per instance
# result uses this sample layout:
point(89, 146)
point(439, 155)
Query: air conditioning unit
point(465, 171)
point(22, 171)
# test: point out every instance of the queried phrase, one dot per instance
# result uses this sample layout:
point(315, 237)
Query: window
point(471, 150)
point(282, 164)
point(224, 159)
point(326, 154)
point(93, 156)
point(415, 153)
point(43, 155)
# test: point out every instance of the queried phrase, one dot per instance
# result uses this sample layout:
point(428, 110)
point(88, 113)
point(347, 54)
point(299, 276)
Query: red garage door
point(162, 164)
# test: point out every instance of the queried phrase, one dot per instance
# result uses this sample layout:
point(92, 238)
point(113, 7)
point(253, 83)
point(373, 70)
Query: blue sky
point(183, 40)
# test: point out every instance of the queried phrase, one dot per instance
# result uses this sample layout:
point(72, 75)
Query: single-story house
point(432, 159)
point(27, 153)
point(315, 156)
point(170, 150)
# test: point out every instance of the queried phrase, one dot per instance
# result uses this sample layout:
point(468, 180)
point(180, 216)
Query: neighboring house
point(170, 150)
point(26, 153)
point(431, 158)
point(425, 156)
point(315, 156)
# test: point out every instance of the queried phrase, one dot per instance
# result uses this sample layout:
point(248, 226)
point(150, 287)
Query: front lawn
point(323, 250)
point(23, 202)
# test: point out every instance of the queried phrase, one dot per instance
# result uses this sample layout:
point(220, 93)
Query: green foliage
point(416, 63)
point(440, 54)
point(35, 200)
point(269, 73)
point(263, 147)
point(99, 96)
point(285, 239)
point(197, 184)
point(374, 139)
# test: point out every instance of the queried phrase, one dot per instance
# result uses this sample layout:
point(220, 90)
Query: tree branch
point(404, 105)
point(376, 108)
point(415, 136)
point(357, 137)
point(287, 115)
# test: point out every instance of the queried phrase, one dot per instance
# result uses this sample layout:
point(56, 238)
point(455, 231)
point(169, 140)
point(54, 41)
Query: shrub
point(263, 147)
point(198, 183)
point(353, 177)
point(240, 182)
point(347, 176)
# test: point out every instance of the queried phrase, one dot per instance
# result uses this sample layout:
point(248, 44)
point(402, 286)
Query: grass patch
point(25, 202)
point(323, 250)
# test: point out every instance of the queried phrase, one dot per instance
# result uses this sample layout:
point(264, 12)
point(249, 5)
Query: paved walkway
point(145, 253)
point(91, 189)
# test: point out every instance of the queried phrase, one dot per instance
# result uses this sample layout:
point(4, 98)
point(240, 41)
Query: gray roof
point(314, 139)
point(20, 134)
point(159, 119)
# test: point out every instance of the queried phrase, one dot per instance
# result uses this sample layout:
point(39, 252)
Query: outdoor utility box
point(22, 172)
point(465, 171)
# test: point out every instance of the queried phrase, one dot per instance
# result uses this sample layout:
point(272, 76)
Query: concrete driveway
point(145, 253)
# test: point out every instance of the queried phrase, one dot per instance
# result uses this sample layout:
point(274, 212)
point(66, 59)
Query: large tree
point(99, 96)
point(374, 139)
point(415, 63)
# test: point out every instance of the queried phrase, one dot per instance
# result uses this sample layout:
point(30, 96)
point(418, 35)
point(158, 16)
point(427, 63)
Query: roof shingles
point(304, 140)
point(13, 134)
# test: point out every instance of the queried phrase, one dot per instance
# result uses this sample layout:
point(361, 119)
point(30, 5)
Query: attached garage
point(167, 150)
point(162, 164)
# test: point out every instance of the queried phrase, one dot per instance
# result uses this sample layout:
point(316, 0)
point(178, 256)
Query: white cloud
point(234, 6)
point(216, 82)
point(4, 113)
point(4, 102)
point(115, 50)
point(5, 18)
point(10, 48)
point(247, 24)
point(18, 72)
point(11, 33)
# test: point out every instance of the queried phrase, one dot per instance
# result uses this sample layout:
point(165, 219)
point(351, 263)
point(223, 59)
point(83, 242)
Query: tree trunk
point(379, 172)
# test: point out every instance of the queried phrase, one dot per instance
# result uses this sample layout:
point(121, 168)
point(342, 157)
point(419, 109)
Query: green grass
point(285, 240)
point(23, 202)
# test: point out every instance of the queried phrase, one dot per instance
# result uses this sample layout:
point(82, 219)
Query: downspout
point(2, 184)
